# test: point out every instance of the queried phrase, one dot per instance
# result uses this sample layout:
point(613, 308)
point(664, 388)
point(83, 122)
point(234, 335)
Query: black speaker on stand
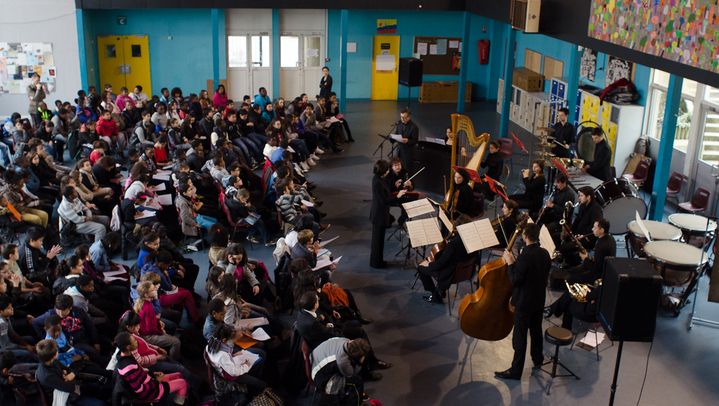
point(631, 289)
point(410, 74)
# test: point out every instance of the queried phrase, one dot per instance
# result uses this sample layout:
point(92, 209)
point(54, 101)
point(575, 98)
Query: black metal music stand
point(380, 146)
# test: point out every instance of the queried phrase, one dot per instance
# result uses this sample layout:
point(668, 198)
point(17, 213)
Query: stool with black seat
point(559, 337)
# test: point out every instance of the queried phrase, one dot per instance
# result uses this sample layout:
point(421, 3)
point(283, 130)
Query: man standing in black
point(529, 282)
point(379, 212)
point(410, 135)
point(563, 134)
point(599, 166)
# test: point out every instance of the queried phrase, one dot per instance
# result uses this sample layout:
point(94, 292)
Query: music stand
point(380, 147)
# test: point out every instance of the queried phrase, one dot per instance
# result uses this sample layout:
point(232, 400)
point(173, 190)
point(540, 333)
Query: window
point(261, 53)
point(657, 103)
point(684, 123)
point(136, 51)
point(237, 51)
point(313, 45)
point(289, 51)
point(710, 138)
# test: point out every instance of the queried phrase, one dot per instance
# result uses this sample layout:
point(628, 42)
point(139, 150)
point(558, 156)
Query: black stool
point(560, 337)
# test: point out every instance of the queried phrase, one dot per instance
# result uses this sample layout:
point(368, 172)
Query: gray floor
point(434, 362)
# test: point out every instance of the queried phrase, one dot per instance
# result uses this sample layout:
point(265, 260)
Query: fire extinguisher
point(483, 51)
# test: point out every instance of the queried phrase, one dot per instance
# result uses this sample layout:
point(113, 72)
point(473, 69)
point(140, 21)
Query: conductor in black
point(410, 136)
point(529, 275)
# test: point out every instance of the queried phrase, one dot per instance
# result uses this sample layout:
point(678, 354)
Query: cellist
point(443, 265)
point(528, 273)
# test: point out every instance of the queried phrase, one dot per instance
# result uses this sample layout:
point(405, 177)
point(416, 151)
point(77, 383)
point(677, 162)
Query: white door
point(301, 57)
point(248, 58)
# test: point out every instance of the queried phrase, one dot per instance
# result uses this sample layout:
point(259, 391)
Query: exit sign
point(121, 20)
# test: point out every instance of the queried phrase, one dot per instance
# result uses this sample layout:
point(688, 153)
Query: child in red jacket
point(107, 127)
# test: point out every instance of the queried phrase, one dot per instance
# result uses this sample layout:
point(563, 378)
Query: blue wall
point(184, 61)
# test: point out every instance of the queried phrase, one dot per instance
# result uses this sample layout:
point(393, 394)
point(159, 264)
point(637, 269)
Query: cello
point(486, 314)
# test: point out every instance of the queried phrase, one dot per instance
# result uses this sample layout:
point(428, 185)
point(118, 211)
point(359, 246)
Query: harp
point(467, 149)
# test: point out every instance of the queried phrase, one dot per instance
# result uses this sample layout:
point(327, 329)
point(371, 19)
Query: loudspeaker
point(410, 71)
point(630, 296)
point(524, 14)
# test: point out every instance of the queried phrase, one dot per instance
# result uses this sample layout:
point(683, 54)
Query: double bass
point(486, 313)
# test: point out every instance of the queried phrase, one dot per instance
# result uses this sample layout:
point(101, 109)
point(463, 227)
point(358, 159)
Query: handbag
point(267, 398)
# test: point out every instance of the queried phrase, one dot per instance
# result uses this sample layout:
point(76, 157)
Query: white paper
point(642, 226)
point(385, 63)
point(396, 137)
point(113, 278)
point(589, 341)
point(442, 46)
point(433, 49)
point(307, 203)
point(546, 241)
point(160, 176)
point(323, 243)
point(439, 141)
point(477, 235)
point(164, 200)
point(446, 221)
point(260, 334)
point(152, 204)
point(114, 273)
point(351, 47)
point(423, 232)
point(160, 188)
point(251, 323)
point(247, 357)
point(454, 44)
point(417, 208)
point(325, 262)
point(422, 48)
point(145, 214)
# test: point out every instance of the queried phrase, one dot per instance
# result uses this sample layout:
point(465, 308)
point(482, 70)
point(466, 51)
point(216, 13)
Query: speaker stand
point(616, 373)
point(409, 95)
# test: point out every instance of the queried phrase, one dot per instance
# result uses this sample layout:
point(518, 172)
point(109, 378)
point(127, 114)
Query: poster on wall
point(683, 31)
point(386, 25)
point(618, 69)
point(588, 67)
point(19, 61)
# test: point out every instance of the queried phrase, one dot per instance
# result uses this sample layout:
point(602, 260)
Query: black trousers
point(524, 322)
point(568, 309)
point(376, 257)
point(405, 153)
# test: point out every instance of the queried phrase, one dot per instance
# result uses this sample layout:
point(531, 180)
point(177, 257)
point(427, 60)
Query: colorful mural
point(685, 31)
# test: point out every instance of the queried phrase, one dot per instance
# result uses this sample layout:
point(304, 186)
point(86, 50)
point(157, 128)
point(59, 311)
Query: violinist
point(379, 212)
point(398, 179)
point(589, 212)
point(534, 183)
point(507, 222)
point(462, 201)
point(493, 165)
point(442, 266)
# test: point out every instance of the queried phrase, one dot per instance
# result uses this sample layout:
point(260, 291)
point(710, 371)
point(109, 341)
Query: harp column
point(509, 50)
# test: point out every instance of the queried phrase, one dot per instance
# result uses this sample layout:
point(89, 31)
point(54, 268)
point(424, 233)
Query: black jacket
point(312, 330)
point(594, 269)
point(585, 218)
point(446, 262)
point(493, 164)
point(529, 279)
point(560, 199)
point(465, 200)
point(409, 131)
point(381, 200)
point(564, 134)
point(534, 190)
point(599, 167)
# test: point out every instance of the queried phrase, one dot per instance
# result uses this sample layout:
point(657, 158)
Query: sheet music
point(325, 262)
point(446, 221)
point(477, 235)
point(251, 323)
point(546, 241)
point(417, 208)
point(396, 137)
point(165, 200)
point(159, 176)
point(423, 232)
point(642, 226)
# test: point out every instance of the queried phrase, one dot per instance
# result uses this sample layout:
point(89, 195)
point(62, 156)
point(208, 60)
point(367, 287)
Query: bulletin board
point(439, 55)
point(20, 60)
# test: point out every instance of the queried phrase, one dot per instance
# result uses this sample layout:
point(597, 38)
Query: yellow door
point(111, 59)
point(385, 67)
point(137, 62)
point(124, 61)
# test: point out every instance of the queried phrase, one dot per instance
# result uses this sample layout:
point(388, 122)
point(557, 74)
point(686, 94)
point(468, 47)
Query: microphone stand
point(380, 147)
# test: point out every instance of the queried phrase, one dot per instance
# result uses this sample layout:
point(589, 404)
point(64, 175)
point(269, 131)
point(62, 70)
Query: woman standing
point(219, 100)
point(379, 213)
point(36, 92)
point(325, 83)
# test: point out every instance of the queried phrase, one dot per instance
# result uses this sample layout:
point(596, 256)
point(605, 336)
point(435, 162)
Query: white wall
point(50, 21)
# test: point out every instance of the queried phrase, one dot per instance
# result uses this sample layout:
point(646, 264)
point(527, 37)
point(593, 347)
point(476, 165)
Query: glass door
point(301, 61)
point(248, 59)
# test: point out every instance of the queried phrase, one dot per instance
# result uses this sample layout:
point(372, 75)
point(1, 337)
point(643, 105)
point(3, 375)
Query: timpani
point(697, 230)
point(658, 231)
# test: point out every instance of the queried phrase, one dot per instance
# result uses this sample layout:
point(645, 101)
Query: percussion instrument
point(578, 163)
point(678, 263)
point(694, 228)
point(620, 200)
point(542, 131)
point(658, 231)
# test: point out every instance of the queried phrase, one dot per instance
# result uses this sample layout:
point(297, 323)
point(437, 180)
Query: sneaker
point(304, 166)
point(253, 240)
point(315, 157)
point(319, 151)
point(298, 168)
point(191, 248)
point(310, 162)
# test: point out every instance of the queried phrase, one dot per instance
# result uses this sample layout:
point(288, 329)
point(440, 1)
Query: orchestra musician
point(529, 281)
point(379, 212)
point(493, 165)
point(587, 214)
point(555, 206)
point(599, 166)
point(462, 201)
point(410, 136)
point(442, 266)
point(589, 272)
point(564, 134)
point(507, 222)
point(398, 179)
point(534, 184)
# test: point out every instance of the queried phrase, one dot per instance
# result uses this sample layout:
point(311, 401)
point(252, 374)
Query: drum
point(695, 229)
point(620, 200)
point(678, 263)
point(658, 231)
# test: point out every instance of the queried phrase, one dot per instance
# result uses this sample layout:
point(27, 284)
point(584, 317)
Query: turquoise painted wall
point(180, 44)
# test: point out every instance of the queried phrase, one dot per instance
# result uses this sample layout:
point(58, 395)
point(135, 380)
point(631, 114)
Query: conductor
point(410, 135)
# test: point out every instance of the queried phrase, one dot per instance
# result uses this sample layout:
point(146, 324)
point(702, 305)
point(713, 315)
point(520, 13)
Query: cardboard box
point(528, 80)
point(443, 92)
